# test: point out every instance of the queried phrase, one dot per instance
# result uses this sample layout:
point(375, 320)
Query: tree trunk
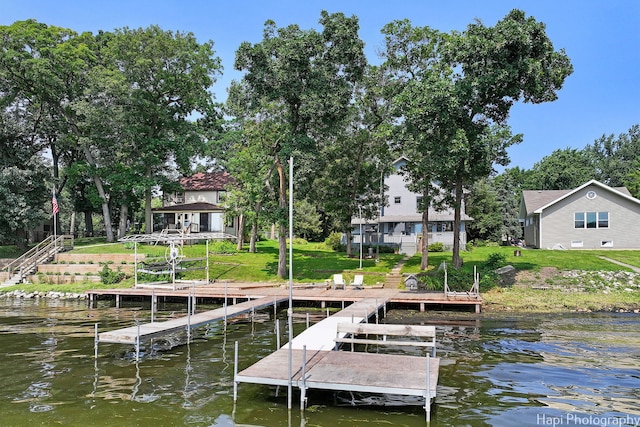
point(254, 236)
point(148, 213)
point(348, 245)
point(424, 262)
point(72, 224)
point(103, 196)
point(457, 261)
point(240, 236)
point(122, 225)
point(88, 223)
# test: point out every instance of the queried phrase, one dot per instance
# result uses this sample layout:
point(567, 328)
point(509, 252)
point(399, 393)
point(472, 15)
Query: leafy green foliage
point(109, 276)
point(334, 242)
point(496, 260)
point(436, 247)
point(222, 247)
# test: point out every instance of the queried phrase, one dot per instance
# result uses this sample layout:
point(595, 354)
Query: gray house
point(400, 222)
point(592, 216)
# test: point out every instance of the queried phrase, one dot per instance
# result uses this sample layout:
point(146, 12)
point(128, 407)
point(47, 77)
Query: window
point(396, 200)
point(603, 219)
point(606, 244)
point(418, 202)
point(577, 244)
point(179, 197)
point(222, 195)
point(591, 220)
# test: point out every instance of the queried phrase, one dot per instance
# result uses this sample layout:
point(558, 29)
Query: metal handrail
point(34, 255)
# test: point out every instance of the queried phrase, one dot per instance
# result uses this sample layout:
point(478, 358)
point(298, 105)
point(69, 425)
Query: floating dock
point(317, 365)
point(135, 334)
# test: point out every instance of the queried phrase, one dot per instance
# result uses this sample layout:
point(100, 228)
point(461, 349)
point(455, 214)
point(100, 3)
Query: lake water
point(496, 370)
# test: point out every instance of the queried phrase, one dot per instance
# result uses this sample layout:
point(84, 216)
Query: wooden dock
point(239, 291)
point(316, 364)
point(135, 334)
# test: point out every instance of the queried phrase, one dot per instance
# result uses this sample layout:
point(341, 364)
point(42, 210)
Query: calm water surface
point(496, 370)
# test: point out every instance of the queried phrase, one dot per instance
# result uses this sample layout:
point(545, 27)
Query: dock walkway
point(150, 330)
point(317, 366)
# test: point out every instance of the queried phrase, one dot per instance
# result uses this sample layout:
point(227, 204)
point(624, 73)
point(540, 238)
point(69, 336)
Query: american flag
point(54, 205)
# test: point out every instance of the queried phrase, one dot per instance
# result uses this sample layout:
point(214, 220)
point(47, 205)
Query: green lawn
point(534, 259)
point(312, 262)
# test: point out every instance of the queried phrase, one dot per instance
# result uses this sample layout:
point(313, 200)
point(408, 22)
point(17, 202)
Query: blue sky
point(602, 38)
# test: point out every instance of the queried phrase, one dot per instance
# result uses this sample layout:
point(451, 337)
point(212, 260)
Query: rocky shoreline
point(48, 294)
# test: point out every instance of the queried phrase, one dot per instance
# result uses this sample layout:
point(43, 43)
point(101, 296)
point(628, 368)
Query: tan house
point(199, 206)
point(592, 216)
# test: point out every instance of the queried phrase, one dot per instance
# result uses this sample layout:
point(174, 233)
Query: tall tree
point(563, 169)
point(310, 74)
point(467, 83)
point(161, 80)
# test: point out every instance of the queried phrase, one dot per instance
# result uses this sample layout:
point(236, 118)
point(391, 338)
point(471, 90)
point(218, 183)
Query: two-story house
point(400, 222)
point(199, 206)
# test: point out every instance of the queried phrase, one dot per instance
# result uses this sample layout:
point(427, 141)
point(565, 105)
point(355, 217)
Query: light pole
point(360, 215)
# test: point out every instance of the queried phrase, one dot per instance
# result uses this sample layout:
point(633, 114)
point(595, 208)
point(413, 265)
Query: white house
point(400, 223)
point(199, 206)
point(592, 216)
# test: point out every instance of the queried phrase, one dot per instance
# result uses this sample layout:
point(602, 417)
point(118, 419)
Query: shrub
point(495, 260)
point(299, 241)
point(223, 247)
point(334, 242)
point(109, 276)
point(436, 247)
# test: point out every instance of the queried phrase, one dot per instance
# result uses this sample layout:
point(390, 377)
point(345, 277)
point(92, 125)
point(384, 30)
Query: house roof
point(206, 181)
point(535, 201)
point(189, 207)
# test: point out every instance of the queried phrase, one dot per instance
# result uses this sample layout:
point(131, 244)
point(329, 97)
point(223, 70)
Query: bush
point(334, 242)
point(495, 260)
point(436, 247)
point(109, 276)
point(223, 247)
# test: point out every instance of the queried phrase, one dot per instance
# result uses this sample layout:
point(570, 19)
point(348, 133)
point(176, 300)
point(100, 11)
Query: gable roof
point(535, 201)
point(206, 181)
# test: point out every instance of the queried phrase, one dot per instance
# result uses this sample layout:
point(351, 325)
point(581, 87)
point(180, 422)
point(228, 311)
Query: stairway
point(394, 279)
point(28, 263)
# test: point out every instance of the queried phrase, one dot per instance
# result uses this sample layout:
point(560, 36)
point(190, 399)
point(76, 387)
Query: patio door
point(204, 221)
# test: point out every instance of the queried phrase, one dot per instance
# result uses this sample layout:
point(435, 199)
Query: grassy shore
point(546, 281)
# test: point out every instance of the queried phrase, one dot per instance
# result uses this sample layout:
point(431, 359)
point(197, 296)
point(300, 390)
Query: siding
point(624, 221)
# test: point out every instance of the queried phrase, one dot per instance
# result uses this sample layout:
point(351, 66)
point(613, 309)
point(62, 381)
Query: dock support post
point(95, 343)
point(327, 311)
point(138, 341)
point(153, 303)
point(117, 301)
point(307, 320)
point(277, 334)
point(303, 387)
point(323, 304)
point(427, 403)
point(275, 307)
point(478, 308)
point(421, 307)
point(235, 372)
point(189, 318)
